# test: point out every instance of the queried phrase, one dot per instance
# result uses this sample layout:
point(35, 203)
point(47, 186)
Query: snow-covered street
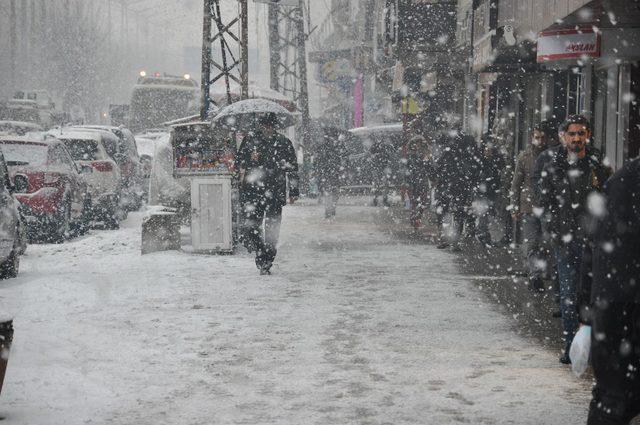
point(352, 327)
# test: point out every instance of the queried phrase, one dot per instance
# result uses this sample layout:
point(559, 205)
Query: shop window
point(599, 107)
point(575, 94)
point(634, 113)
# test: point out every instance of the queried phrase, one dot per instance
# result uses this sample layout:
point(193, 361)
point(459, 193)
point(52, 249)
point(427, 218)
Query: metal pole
point(302, 68)
point(244, 46)
point(206, 60)
point(274, 46)
point(13, 41)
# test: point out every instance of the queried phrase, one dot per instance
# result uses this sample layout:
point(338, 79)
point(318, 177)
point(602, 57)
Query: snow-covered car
point(19, 128)
point(164, 188)
point(128, 160)
point(146, 148)
point(88, 151)
point(152, 134)
point(12, 233)
point(53, 195)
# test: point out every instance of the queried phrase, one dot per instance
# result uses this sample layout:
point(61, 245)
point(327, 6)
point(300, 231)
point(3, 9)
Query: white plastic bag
point(580, 350)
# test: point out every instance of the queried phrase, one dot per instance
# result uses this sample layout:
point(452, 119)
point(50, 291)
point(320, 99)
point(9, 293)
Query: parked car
point(18, 128)
point(53, 195)
point(131, 168)
point(88, 151)
point(146, 148)
point(164, 188)
point(152, 134)
point(12, 230)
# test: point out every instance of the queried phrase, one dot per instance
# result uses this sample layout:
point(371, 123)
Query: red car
point(53, 195)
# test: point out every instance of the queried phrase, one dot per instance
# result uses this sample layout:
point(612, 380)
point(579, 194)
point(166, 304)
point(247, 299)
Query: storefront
point(598, 64)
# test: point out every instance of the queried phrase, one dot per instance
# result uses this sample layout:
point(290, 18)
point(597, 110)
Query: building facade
point(535, 60)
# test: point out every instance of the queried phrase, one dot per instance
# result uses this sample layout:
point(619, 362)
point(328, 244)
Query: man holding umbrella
point(265, 160)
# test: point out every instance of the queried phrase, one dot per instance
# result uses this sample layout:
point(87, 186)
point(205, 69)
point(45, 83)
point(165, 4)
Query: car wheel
point(85, 219)
point(60, 227)
point(111, 216)
point(10, 267)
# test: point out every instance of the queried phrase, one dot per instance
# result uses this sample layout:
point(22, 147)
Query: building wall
point(532, 16)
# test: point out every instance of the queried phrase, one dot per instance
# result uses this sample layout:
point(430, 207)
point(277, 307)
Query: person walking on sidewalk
point(456, 173)
point(419, 176)
point(615, 300)
point(569, 173)
point(330, 165)
point(522, 202)
point(265, 160)
point(489, 188)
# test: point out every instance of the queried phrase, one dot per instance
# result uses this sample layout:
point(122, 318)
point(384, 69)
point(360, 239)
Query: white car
point(164, 188)
point(12, 230)
point(89, 151)
point(146, 149)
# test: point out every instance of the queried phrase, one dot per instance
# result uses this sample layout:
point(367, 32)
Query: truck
point(157, 99)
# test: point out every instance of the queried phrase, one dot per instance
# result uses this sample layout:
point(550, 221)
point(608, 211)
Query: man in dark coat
point(456, 174)
point(265, 159)
point(615, 300)
point(330, 165)
point(568, 175)
point(490, 186)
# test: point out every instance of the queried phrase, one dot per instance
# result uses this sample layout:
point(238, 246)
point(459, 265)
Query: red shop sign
point(568, 44)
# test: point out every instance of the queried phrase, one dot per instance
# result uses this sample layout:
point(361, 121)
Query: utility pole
point(288, 37)
point(303, 101)
point(274, 46)
point(13, 44)
point(230, 38)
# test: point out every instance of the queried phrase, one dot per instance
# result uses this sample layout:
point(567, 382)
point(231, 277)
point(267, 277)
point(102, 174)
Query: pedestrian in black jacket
point(330, 166)
point(615, 300)
point(492, 165)
point(568, 175)
point(456, 174)
point(265, 159)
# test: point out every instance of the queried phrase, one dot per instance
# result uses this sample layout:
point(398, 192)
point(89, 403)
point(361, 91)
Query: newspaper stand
point(206, 155)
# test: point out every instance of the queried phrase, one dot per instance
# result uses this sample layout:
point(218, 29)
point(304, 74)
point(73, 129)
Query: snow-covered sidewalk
point(353, 327)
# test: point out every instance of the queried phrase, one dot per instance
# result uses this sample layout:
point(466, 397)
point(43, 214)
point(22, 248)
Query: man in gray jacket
point(522, 193)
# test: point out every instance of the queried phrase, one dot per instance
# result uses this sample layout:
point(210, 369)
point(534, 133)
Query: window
point(24, 154)
point(83, 150)
point(59, 157)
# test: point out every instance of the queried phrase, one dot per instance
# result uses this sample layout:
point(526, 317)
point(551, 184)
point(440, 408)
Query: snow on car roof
point(98, 127)
point(24, 124)
point(78, 135)
point(386, 128)
point(106, 132)
point(23, 140)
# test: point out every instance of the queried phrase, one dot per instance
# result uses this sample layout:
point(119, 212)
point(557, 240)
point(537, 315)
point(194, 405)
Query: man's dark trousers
point(261, 228)
point(569, 258)
point(615, 355)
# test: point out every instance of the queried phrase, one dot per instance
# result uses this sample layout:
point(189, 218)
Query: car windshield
point(24, 153)
point(83, 150)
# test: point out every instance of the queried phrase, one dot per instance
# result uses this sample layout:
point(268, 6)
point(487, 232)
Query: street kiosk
point(205, 155)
